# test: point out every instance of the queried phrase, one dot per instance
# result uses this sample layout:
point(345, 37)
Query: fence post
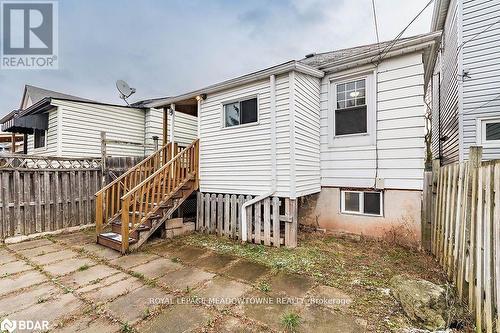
point(103, 157)
point(436, 164)
point(475, 157)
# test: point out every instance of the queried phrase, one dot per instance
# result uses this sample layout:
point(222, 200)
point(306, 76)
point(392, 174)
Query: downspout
point(272, 84)
point(172, 124)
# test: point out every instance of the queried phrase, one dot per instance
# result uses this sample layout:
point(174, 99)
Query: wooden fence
point(466, 234)
point(272, 221)
point(40, 194)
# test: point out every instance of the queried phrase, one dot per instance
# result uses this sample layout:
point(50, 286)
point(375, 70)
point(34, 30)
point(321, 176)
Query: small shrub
point(264, 287)
point(83, 268)
point(290, 321)
point(126, 328)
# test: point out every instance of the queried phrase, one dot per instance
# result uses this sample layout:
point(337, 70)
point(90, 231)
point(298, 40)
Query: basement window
point(40, 138)
point(351, 109)
point(240, 112)
point(488, 131)
point(362, 202)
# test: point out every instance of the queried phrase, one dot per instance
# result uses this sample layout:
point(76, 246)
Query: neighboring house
point(6, 140)
point(462, 77)
point(62, 125)
point(348, 125)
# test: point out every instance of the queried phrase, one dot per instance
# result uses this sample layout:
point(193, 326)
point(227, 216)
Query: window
point(240, 112)
point(362, 202)
point(39, 141)
point(489, 131)
point(351, 110)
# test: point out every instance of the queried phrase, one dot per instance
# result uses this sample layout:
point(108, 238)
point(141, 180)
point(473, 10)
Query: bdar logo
point(7, 325)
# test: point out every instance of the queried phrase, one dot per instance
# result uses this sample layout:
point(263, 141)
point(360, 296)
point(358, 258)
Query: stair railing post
point(98, 214)
point(125, 222)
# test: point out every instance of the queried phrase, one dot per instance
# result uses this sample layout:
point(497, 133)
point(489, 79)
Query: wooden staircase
point(133, 206)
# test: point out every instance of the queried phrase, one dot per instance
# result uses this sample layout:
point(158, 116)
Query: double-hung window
point(362, 202)
point(244, 111)
point(39, 138)
point(351, 112)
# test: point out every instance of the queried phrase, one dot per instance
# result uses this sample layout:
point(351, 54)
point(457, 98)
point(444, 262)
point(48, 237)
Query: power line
point(480, 32)
point(483, 105)
point(376, 24)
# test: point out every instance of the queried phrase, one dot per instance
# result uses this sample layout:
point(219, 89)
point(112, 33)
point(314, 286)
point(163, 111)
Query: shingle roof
point(37, 94)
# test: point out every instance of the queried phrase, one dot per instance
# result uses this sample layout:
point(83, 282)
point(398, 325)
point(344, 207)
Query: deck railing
point(108, 203)
point(141, 202)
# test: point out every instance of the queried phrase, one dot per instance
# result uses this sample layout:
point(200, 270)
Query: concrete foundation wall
point(401, 222)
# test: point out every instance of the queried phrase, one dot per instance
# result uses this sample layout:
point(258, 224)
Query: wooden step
point(117, 228)
point(113, 240)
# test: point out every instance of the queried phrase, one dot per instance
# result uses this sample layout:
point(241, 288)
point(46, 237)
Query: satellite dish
point(124, 89)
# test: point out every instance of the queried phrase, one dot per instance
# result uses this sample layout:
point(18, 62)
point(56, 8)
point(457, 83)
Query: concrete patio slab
point(53, 257)
point(187, 277)
point(236, 325)
point(189, 253)
point(246, 270)
point(13, 268)
point(112, 291)
point(67, 266)
point(290, 284)
point(100, 251)
point(221, 288)
point(330, 297)
point(322, 320)
point(134, 259)
point(178, 319)
point(103, 282)
point(17, 302)
point(6, 256)
point(40, 250)
point(53, 311)
point(157, 268)
point(214, 262)
point(75, 239)
point(26, 279)
point(30, 244)
point(135, 305)
point(81, 278)
point(89, 324)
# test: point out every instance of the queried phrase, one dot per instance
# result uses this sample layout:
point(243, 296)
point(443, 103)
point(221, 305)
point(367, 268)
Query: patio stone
point(177, 319)
point(114, 290)
point(214, 262)
point(236, 325)
point(87, 324)
point(53, 257)
point(6, 257)
point(101, 251)
point(188, 253)
point(157, 268)
point(103, 282)
point(24, 280)
point(133, 306)
point(13, 268)
point(81, 278)
point(290, 284)
point(223, 289)
point(322, 320)
point(17, 302)
point(186, 277)
point(53, 310)
point(67, 266)
point(268, 313)
point(30, 244)
point(247, 270)
point(40, 250)
point(330, 297)
point(131, 260)
point(75, 239)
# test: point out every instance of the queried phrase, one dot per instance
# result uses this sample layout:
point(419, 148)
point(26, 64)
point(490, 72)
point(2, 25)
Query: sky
point(164, 48)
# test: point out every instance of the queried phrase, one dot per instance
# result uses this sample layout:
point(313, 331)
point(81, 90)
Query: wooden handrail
point(145, 198)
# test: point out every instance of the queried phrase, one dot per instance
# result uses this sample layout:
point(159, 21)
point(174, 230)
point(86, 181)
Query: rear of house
point(340, 133)
point(462, 80)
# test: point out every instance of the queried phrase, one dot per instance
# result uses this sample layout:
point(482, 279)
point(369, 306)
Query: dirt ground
point(201, 283)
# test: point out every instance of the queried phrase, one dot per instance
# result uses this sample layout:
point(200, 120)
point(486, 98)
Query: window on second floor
point(240, 112)
point(351, 109)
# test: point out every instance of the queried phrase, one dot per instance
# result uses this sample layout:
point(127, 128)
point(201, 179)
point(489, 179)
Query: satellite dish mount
point(125, 90)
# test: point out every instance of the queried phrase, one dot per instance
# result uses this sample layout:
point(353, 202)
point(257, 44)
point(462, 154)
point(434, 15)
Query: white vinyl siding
point(50, 148)
point(480, 59)
point(307, 135)
point(400, 131)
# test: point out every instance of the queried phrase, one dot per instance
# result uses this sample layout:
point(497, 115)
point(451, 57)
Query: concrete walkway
point(79, 286)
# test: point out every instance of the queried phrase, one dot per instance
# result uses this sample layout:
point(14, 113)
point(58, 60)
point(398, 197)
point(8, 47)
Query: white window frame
point(361, 203)
point(239, 100)
point(481, 132)
point(358, 139)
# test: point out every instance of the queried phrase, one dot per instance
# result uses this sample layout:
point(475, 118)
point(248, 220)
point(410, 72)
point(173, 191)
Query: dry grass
point(362, 268)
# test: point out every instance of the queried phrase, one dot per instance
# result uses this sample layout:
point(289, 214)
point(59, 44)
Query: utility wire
point(483, 105)
point(376, 24)
point(476, 35)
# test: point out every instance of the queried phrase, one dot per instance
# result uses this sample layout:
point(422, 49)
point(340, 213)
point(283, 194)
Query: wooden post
point(13, 142)
point(103, 157)
point(475, 158)
point(98, 214)
point(426, 211)
point(292, 242)
point(125, 222)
